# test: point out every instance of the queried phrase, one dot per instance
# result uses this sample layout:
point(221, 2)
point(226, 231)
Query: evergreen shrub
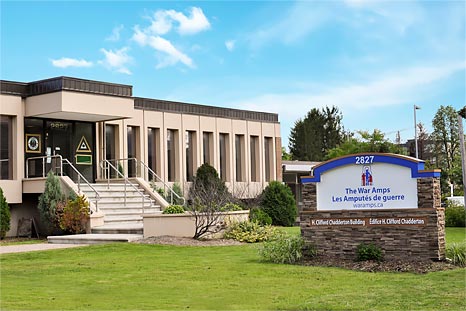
point(258, 215)
point(48, 203)
point(4, 215)
point(279, 203)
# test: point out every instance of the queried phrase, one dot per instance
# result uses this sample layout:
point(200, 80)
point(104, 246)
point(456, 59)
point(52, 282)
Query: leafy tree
point(4, 215)
point(208, 194)
point(368, 142)
point(285, 155)
point(445, 137)
point(48, 201)
point(279, 203)
point(318, 132)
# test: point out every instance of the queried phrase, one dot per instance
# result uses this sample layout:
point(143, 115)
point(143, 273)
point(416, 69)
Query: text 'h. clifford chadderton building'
point(89, 131)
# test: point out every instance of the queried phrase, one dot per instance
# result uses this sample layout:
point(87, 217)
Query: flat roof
point(121, 90)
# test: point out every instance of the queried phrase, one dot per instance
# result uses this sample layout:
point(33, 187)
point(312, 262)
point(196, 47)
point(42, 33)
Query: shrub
point(4, 215)
point(279, 203)
point(258, 215)
point(48, 202)
point(250, 232)
point(75, 215)
point(231, 207)
point(455, 215)
point(173, 209)
point(282, 248)
point(166, 195)
point(456, 252)
point(368, 252)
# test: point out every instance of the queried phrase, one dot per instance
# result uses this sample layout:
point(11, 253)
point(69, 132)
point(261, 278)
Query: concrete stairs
point(122, 216)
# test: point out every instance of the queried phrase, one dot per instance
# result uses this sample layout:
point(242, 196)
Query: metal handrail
point(126, 181)
point(80, 176)
point(155, 176)
point(43, 164)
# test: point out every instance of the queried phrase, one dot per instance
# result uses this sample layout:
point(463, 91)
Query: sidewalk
point(21, 248)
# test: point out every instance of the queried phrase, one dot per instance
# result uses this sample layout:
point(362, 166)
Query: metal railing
point(146, 172)
point(105, 165)
point(60, 167)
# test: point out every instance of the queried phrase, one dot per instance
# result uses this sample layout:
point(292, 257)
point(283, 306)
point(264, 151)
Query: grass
point(20, 241)
point(455, 235)
point(138, 277)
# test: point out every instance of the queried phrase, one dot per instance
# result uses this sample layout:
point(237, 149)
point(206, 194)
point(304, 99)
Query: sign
point(368, 221)
point(368, 182)
point(83, 146)
point(84, 159)
point(33, 143)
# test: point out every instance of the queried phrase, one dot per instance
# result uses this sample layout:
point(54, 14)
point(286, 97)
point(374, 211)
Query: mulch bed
point(171, 240)
point(383, 266)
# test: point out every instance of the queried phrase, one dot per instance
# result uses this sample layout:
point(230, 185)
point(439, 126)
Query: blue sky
point(372, 59)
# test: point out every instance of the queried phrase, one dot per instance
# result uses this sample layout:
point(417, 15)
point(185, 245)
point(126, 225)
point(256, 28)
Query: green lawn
point(134, 276)
point(19, 241)
point(455, 235)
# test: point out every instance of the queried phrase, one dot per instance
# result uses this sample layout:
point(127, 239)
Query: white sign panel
point(367, 186)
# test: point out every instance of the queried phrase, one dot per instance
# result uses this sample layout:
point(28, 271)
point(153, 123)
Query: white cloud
point(230, 45)
point(65, 62)
point(395, 88)
point(116, 60)
point(172, 55)
point(115, 36)
point(161, 24)
point(192, 24)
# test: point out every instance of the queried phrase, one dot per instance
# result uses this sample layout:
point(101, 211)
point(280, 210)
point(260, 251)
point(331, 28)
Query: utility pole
point(461, 115)
point(415, 130)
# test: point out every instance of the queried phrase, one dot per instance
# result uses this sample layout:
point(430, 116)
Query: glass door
point(58, 138)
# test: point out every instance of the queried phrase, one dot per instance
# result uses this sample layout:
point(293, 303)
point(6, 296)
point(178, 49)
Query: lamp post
point(415, 130)
point(461, 115)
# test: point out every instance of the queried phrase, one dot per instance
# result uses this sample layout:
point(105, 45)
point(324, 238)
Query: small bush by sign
point(173, 209)
point(250, 232)
point(258, 215)
point(282, 248)
point(368, 252)
point(455, 215)
point(279, 203)
point(456, 252)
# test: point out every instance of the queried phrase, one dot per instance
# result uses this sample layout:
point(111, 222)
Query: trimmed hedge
point(279, 203)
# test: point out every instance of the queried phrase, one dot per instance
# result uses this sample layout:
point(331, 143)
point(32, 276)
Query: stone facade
point(410, 241)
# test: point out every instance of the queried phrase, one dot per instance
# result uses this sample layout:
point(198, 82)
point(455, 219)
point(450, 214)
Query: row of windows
point(191, 144)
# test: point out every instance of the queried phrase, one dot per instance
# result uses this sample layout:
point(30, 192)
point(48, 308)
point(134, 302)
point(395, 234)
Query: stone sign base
point(408, 234)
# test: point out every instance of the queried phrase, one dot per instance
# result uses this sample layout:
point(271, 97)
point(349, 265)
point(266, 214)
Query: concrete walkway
point(21, 248)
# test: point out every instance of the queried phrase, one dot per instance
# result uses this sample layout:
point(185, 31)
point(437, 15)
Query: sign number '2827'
point(364, 159)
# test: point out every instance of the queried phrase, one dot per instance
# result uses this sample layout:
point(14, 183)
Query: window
point(153, 149)
point(110, 142)
point(224, 156)
point(172, 138)
point(268, 160)
point(254, 152)
point(190, 137)
point(207, 142)
point(239, 158)
point(133, 134)
point(6, 147)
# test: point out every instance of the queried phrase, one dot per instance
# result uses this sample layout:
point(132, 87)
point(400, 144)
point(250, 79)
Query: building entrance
point(72, 140)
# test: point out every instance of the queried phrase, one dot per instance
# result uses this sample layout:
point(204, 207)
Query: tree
point(48, 202)
point(285, 155)
point(208, 194)
point(368, 142)
point(318, 132)
point(4, 215)
point(445, 137)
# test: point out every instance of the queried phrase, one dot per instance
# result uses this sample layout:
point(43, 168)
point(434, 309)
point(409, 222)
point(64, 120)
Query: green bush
point(173, 209)
point(368, 252)
point(231, 207)
point(258, 215)
point(456, 252)
point(4, 215)
point(75, 215)
point(48, 203)
point(455, 215)
point(166, 195)
point(282, 248)
point(279, 203)
point(250, 232)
